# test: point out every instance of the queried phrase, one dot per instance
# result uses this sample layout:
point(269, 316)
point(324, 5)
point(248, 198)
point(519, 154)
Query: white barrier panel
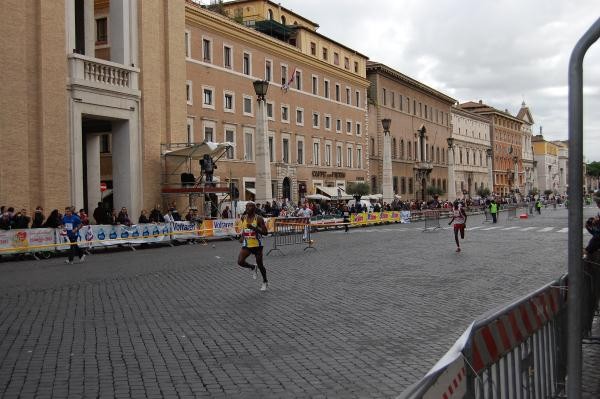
point(404, 216)
point(223, 228)
point(184, 230)
point(10, 240)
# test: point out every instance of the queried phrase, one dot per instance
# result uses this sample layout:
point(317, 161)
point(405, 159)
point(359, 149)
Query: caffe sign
point(333, 175)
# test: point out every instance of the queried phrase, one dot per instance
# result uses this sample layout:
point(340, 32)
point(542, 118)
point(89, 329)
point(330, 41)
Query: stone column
point(490, 171)
point(89, 28)
point(119, 32)
point(388, 189)
point(94, 195)
point(262, 161)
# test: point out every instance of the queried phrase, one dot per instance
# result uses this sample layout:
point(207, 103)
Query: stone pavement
point(364, 316)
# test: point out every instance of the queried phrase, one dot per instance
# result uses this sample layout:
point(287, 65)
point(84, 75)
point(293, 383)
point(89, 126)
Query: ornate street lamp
point(262, 162)
point(489, 154)
point(388, 191)
point(451, 182)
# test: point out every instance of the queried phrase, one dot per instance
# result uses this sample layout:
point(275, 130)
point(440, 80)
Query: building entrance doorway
point(287, 188)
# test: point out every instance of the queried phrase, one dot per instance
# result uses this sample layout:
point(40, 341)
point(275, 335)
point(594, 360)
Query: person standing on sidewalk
point(459, 217)
point(538, 206)
point(253, 228)
point(494, 211)
point(346, 214)
point(71, 223)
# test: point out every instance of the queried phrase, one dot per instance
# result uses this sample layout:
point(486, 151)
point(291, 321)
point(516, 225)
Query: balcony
point(95, 73)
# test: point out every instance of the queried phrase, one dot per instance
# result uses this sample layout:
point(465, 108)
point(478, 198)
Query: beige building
point(419, 160)
point(316, 101)
point(471, 142)
point(87, 83)
point(546, 157)
point(506, 139)
point(529, 164)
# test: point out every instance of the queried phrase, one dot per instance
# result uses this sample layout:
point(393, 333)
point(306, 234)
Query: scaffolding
point(178, 179)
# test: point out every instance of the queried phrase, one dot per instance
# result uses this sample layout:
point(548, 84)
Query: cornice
point(392, 73)
point(204, 19)
point(469, 114)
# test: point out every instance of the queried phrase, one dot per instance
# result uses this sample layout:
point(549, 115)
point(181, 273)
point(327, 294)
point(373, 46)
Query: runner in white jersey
point(459, 217)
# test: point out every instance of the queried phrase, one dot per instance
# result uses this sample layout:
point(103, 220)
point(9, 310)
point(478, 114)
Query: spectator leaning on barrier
point(143, 217)
point(156, 216)
point(21, 220)
point(123, 217)
point(84, 217)
point(226, 214)
point(592, 225)
point(38, 218)
point(6, 222)
point(99, 214)
point(54, 219)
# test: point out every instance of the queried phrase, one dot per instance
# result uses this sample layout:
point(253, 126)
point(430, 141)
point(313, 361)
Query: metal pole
point(576, 208)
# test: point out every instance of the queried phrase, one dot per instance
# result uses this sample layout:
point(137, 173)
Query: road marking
point(510, 228)
point(528, 228)
point(491, 228)
point(564, 230)
point(474, 228)
point(546, 229)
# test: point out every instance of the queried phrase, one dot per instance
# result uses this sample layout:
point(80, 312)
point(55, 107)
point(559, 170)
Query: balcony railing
point(101, 74)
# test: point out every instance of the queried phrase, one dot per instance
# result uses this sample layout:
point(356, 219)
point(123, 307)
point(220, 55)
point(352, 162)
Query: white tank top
point(459, 218)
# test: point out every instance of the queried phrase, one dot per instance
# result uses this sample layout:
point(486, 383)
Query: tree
point(358, 189)
point(593, 169)
point(483, 192)
point(548, 192)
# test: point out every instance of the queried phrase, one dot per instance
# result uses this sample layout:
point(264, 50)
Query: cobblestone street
point(365, 315)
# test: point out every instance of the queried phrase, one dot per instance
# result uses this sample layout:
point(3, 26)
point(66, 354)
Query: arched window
point(431, 154)
point(270, 14)
point(409, 150)
point(416, 149)
point(437, 155)
point(443, 156)
point(283, 19)
point(393, 148)
point(460, 156)
point(468, 151)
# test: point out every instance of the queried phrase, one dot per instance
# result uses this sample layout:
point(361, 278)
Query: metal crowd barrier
point(518, 351)
point(291, 231)
point(511, 212)
point(432, 220)
point(487, 215)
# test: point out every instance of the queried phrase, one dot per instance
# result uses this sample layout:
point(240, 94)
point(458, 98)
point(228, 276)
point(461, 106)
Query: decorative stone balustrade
point(101, 74)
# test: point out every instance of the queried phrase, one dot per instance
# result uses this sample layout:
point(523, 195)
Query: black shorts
point(254, 250)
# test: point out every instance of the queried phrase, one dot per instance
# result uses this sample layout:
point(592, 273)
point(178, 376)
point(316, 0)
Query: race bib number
point(69, 226)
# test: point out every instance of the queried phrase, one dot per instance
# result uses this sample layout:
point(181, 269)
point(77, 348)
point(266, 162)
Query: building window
point(228, 103)
point(313, 48)
point(348, 99)
point(349, 127)
point(298, 80)
point(325, 55)
point(338, 125)
point(337, 92)
point(300, 150)
point(190, 135)
point(315, 85)
point(326, 88)
point(230, 138)
point(355, 67)
point(403, 185)
point(372, 146)
point(283, 75)
point(336, 58)
point(327, 122)
point(357, 95)
point(346, 63)
point(349, 157)
point(409, 152)
point(186, 37)
point(246, 68)
point(206, 50)
point(384, 96)
point(358, 129)
point(315, 120)
point(248, 146)
point(299, 116)
point(247, 105)
point(286, 150)
point(338, 156)
point(328, 154)
point(393, 148)
point(315, 153)
point(400, 103)
point(268, 71)
point(227, 55)
point(401, 149)
point(102, 30)
point(285, 113)
point(188, 92)
point(207, 97)
point(410, 185)
point(209, 133)
point(359, 157)
point(270, 110)
point(271, 150)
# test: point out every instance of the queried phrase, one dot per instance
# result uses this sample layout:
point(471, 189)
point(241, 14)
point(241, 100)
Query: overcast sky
point(503, 52)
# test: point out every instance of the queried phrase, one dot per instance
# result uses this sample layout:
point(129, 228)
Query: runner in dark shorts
point(253, 228)
point(459, 217)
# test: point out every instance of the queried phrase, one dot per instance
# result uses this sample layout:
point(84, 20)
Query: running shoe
point(82, 259)
point(264, 286)
point(255, 272)
point(457, 249)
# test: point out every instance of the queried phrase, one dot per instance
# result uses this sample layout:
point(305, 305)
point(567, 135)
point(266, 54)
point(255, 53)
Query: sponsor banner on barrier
point(16, 241)
point(221, 227)
point(373, 217)
point(185, 230)
point(94, 236)
point(405, 216)
point(358, 219)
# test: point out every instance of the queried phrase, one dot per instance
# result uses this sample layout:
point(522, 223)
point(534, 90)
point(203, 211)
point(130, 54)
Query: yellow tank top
point(251, 237)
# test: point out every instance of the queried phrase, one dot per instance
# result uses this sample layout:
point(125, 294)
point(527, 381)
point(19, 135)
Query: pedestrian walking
point(346, 214)
point(494, 211)
point(459, 217)
point(253, 228)
point(538, 206)
point(71, 223)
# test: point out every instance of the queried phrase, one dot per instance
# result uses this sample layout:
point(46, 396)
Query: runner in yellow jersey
point(253, 228)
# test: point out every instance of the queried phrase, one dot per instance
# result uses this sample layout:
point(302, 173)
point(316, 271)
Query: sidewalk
point(590, 379)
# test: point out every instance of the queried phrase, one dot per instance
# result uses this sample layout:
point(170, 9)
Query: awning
point(197, 151)
point(317, 197)
point(334, 192)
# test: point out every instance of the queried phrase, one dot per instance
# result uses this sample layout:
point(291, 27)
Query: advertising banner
point(405, 216)
point(373, 217)
point(358, 219)
point(26, 240)
point(221, 227)
point(184, 230)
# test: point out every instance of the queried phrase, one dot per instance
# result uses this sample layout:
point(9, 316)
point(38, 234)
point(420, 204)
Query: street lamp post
point(388, 193)
point(262, 161)
point(516, 178)
point(488, 152)
point(451, 178)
